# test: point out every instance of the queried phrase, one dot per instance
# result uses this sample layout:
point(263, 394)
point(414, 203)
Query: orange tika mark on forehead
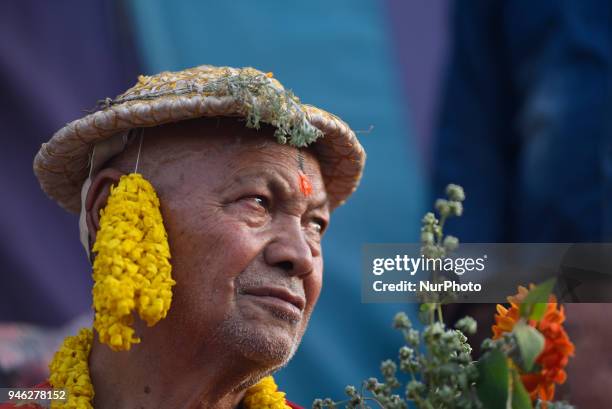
point(304, 183)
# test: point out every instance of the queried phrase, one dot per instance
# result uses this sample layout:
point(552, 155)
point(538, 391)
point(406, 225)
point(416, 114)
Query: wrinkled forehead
point(214, 139)
point(214, 135)
point(221, 147)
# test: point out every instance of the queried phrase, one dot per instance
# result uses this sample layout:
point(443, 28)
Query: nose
point(289, 250)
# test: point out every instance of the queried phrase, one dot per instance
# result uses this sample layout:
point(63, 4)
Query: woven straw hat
point(62, 164)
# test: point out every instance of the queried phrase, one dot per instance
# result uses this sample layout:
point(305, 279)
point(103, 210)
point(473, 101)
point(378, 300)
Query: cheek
point(209, 253)
point(234, 248)
point(312, 286)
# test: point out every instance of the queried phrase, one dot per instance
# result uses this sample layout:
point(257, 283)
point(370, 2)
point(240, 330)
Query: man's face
point(245, 240)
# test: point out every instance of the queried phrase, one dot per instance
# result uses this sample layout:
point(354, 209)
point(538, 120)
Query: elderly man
point(245, 177)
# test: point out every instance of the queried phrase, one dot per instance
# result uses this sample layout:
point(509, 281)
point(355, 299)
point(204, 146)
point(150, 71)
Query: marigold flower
point(68, 370)
point(551, 363)
point(265, 395)
point(132, 268)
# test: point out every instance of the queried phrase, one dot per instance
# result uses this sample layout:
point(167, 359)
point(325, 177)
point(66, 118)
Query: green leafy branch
point(437, 359)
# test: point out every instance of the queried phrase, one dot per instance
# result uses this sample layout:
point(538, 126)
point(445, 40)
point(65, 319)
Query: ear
point(97, 198)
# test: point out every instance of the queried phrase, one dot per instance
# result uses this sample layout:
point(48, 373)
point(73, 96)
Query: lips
point(280, 293)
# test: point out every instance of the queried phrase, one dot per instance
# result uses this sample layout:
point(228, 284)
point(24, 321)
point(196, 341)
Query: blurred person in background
point(526, 128)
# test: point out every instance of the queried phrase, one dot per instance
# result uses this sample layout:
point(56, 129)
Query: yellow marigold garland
point(264, 395)
point(131, 270)
point(70, 371)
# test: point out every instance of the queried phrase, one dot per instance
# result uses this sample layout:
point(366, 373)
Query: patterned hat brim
point(62, 164)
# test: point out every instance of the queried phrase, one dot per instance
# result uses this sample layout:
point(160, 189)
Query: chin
point(272, 346)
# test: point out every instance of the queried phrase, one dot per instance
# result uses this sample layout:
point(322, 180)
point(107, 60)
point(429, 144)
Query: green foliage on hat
point(258, 96)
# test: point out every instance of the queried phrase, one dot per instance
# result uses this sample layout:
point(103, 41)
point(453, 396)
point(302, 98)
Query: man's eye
point(319, 225)
point(259, 201)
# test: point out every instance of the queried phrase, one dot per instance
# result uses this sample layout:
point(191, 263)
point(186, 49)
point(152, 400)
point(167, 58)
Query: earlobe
point(97, 197)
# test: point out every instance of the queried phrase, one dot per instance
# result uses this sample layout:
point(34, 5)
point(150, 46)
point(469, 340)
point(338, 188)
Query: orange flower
point(550, 368)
